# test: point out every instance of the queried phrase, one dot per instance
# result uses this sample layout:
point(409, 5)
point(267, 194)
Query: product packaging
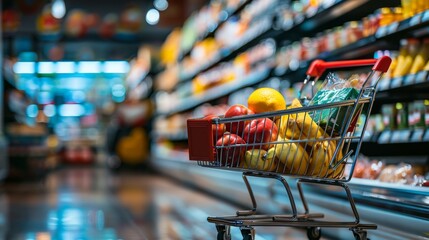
point(334, 90)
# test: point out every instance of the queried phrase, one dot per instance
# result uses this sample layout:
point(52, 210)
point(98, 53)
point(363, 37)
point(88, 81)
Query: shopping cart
point(299, 142)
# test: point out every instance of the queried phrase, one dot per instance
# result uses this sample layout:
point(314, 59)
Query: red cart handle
point(318, 66)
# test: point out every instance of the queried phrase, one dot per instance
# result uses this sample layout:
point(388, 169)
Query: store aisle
point(93, 203)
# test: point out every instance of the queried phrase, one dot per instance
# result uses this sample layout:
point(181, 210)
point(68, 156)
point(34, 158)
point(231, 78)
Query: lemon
point(266, 100)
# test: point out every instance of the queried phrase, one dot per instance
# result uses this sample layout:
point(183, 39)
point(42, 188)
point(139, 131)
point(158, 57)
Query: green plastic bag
point(333, 117)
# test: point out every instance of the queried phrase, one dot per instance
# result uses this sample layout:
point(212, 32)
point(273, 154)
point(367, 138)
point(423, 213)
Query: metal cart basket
point(317, 144)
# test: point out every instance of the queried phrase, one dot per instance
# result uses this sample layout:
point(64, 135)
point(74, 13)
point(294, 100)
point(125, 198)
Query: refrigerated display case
point(332, 30)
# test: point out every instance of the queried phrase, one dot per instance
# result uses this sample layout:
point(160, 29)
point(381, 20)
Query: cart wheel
point(359, 235)
point(314, 233)
point(223, 232)
point(248, 234)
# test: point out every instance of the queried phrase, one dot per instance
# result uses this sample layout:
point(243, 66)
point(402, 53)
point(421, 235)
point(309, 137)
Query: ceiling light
point(66, 67)
point(58, 9)
point(89, 67)
point(152, 16)
point(116, 67)
point(45, 67)
point(49, 110)
point(161, 5)
point(24, 67)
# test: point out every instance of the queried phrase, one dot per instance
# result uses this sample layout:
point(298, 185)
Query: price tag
point(400, 136)
point(396, 82)
point(381, 32)
point(417, 135)
point(409, 79)
point(421, 77)
point(415, 20)
point(384, 137)
point(392, 28)
point(425, 17)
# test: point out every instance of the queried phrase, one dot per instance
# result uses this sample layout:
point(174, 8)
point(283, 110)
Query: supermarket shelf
point(266, 31)
point(366, 46)
point(330, 15)
point(217, 92)
point(397, 149)
point(302, 25)
point(362, 47)
point(405, 142)
point(404, 89)
point(411, 27)
point(399, 89)
point(212, 31)
point(227, 54)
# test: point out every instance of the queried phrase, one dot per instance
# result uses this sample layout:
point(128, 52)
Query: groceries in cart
point(298, 144)
point(335, 89)
point(302, 143)
point(313, 140)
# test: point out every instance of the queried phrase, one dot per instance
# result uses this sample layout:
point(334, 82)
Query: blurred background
point(95, 96)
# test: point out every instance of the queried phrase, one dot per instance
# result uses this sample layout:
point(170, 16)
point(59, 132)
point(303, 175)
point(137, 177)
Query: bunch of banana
point(311, 158)
point(299, 126)
point(321, 158)
point(319, 161)
point(338, 172)
point(292, 155)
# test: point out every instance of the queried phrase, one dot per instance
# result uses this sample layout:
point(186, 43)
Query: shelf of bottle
point(263, 32)
point(269, 29)
point(217, 92)
point(384, 37)
point(212, 29)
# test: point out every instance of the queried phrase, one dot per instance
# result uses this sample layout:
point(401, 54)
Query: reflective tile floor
point(93, 203)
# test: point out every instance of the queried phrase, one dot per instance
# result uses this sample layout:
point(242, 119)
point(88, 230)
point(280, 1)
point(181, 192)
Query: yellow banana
point(321, 158)
point(293, 156)
point(260, 159)
point(310, 129)
point(319, 161)
point(272, 160)
point(288, 128)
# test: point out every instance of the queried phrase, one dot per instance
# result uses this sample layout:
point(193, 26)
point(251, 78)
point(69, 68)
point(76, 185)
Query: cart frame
point(202, 149)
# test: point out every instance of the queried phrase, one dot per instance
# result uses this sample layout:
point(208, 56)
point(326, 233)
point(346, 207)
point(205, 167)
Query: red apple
point(261, 130)
point(237, 110)
point(218, 129)
point(231, 152)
